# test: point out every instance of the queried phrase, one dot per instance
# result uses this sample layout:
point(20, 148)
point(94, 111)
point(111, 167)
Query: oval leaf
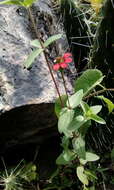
point(97, 119)
point(75, 99)
point(108, 102)
point(82, 177)
point(51, 39)
point(96, 109)
point(32, 57)
point(76, 123)
point(64, 120)
point(88, 80)
point(79, 147)
point(11, 2)
point(90, 157)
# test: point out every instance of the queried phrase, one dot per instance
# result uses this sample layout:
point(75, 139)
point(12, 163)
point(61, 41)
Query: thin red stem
point(64, 82)
point(42, 45)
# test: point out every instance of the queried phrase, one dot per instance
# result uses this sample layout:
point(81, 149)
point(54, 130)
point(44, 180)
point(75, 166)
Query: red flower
point(67, 55)
point(63, 65)
point(61, 62)
point(56, 67)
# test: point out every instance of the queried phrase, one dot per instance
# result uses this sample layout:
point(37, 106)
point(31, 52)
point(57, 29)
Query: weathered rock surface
point(26, 96)
point(19, 86)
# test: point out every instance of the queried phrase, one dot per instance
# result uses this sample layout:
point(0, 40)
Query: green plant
point(18, 178)
point(74, 112)
point(73, 122)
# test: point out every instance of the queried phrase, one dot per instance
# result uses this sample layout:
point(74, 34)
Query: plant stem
point(44, 52)
point(99, 92)
point(62, 74)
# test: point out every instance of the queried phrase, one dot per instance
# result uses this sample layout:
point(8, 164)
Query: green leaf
point(58, 107)
point(82, 177)
point(77, 123)
point(97, 119)
point(68, 155)
point(75, 99)
point(64, 120)
point(65, 158)
point(51, 39)
point(85, 106)
point(28, 3)
point(84, 128)
point(90, 157)
point(61, 161)
point(25, 3)
point(12, 2)
point(32, 57)
point(95, 109)
point(108, 102)
point(79, 146)
point(90, 175)
point(65, 142)
point(35, 43)
point(88, 80)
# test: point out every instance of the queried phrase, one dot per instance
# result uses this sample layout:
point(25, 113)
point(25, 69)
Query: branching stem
point(99, 92)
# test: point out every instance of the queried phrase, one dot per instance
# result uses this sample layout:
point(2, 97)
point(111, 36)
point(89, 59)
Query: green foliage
point(28, 3)
point(81, 175)
point(12, 2)
point(96, 118)
point(58, 104)
point(88, 80)
point(32, 57)
point(13, 179)
point(51, 39)
point(77, 123)
point(64, 121)
point(108, 102)
point(89, 157)
point(29, 173)
point(95, 109)
point(35, 43)
point(74, 117)
point(90, 112)
point(25, 3)
point(75, 99)
point(79, 147)
point(41, 47)
point(65, 158)
point(74, 121)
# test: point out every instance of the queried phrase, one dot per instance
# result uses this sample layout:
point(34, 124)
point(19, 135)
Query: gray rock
point(26, 95)
point(20, 86)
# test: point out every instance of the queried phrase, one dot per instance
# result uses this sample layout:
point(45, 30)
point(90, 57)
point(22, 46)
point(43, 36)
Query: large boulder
point(27, 96)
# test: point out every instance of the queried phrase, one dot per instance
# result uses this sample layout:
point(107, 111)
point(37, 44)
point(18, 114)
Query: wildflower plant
point(73, 111)
point(62, 62)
